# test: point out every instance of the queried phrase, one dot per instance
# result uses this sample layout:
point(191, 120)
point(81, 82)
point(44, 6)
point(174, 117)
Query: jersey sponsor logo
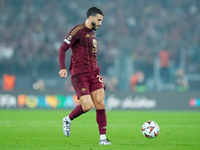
point(87, 35)
point(94, 50)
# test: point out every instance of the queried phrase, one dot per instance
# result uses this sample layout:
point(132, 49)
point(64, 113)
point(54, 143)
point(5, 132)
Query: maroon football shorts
point(86, 83)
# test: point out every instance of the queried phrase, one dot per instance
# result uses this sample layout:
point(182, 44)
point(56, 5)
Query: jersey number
point(100, 78)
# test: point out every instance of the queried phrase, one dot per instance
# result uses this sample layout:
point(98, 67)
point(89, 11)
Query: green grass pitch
point(23, 129)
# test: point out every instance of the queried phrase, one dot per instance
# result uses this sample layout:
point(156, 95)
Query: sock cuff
point(101, 110)
point(68, 119)
point(102, 136)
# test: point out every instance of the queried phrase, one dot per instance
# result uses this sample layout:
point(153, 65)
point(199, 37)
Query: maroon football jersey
point(83, 43)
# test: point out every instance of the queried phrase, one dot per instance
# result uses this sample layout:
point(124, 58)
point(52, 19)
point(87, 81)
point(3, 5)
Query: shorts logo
point(83, 90)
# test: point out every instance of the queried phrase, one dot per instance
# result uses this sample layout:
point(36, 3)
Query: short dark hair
point(93, 11)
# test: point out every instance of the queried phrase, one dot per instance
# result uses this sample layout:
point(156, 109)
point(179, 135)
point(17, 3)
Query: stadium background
point(131, 40)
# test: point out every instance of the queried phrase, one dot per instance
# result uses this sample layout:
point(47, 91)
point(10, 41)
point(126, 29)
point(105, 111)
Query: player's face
point(97, 21)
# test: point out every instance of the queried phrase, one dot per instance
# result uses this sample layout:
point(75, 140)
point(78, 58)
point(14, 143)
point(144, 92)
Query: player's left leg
point(98, 99)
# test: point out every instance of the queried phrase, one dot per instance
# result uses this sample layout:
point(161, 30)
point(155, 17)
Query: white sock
point(102, 137)
point(68, 119)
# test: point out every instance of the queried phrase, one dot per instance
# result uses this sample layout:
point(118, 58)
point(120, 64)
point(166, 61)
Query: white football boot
point(104, 142)
point(66, 127)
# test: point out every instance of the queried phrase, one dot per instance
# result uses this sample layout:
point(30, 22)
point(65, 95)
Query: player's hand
point(63, 73)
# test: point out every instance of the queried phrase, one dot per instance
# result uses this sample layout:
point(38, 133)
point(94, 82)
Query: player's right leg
point(86, 105)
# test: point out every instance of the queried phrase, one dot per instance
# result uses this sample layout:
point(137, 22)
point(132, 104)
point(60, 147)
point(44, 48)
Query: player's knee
point(99, 102)
point(87, 107)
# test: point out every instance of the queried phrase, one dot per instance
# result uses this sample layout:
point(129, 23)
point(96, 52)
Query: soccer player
point(85, 77)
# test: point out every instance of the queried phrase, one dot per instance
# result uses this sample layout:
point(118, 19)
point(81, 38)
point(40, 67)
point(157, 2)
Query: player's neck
point(88, 24)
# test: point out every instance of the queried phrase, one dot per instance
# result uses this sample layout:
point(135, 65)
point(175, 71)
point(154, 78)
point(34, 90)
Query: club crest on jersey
point(94, 42)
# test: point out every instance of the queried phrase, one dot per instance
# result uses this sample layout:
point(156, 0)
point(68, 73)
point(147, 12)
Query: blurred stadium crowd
point(133, 34)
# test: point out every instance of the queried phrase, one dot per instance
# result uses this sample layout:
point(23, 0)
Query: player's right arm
point(67, 43)
point(61, 56)
point(63, 73)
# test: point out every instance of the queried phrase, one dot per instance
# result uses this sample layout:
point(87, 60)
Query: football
point(150, 129)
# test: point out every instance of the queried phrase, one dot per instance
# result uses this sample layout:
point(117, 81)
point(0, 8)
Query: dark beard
point(93, 26)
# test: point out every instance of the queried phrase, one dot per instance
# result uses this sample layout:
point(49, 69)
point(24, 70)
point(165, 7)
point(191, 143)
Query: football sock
point(101, 121)
point(76, 112)
point(102, 137)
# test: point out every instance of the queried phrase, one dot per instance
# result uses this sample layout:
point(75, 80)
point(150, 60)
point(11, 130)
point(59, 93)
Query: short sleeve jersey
point(83, 43)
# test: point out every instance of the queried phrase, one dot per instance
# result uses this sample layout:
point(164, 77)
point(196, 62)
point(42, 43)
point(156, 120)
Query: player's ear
point(91, 18)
